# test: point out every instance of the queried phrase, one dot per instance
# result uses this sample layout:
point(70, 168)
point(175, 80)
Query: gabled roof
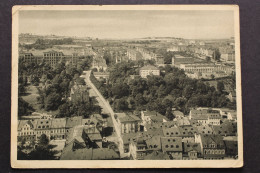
point(58, 123)
point(187, 147)
point(171, 144)
point(43, 123)
point(154, 143)
point(129, 118)
point(209, 139)
point(227, 128)
point(171, 132)
point(73, 121)
point(22, 123)
point(188, 131)
point(88, 154)
point(204, 129)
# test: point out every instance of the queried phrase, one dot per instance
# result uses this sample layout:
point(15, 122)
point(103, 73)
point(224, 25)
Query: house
point(214, 119)
point(43, 126)
point(58, 128)
point(187, 133)
point(128, 123)
point(127, 138)
point(171, 132)
point(227, 128)
point(149, 117)
point(199, 115)
point(70, 153)
point(231, 147)
point(191, 151)
point(137, 148)
point(205, 116)
point(73, 121)
point(153, 143)
point(212, 146)
point(26, 130)
point(178, 59)
point(149, 70)
point(206, 129)
point(95, 120)
point(173, 147)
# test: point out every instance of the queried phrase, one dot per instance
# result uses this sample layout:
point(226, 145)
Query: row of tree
point(173, 89)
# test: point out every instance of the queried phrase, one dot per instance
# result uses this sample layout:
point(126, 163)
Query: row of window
point(214, 151)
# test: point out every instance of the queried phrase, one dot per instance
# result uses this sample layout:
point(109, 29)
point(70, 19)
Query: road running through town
point(107, 109)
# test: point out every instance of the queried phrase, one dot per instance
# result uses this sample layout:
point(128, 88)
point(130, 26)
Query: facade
point(149, 70)
point(128, 123)
point(178, 59)
point(212, 146)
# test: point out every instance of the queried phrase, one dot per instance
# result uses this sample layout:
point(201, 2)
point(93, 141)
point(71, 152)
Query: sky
point(129, 24)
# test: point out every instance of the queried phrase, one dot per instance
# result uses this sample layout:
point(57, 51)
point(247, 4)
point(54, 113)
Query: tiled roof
point(209, 139)
point(58, 123)
point(171, 144)
point(88, 154)
point(187, 147)
point(73, 121)
point(128, 118)
point(188, 131)
point(43, 123)
point(154, 143)
point(171, 132)
point(204, 129)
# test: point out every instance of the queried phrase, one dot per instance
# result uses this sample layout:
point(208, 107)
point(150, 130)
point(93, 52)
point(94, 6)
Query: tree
point(220, 86)
point(43, 141)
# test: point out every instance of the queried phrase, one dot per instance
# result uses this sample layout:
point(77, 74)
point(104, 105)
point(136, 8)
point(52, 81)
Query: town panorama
point(152, 98)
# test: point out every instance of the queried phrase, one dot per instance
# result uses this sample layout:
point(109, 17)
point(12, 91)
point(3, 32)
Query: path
point(106, 108)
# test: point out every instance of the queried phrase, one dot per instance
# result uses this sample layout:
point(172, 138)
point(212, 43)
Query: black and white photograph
point(126, 87)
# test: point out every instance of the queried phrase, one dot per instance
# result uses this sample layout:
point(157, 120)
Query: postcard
point(126, 86)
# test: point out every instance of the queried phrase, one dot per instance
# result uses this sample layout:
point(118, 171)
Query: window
point(177, 146)
point(169, 140)
point(171, 146)
point(166, 146)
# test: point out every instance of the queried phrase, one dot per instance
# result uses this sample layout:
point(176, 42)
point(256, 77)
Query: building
point(178, 59)
point(212, 146)
point(149, 70)
point(58, 128)
point(50, 56)
point(128, 123)
point(26, 130)
point(205, 116)
point(173, 147)
point(191, 151)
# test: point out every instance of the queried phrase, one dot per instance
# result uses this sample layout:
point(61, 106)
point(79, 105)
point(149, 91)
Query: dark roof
point(209, 139)
point(227, 128)
point(129, 118)
point(58, 123)
point(154, 143)
point(171, 144)
point(88, 154)
point(73, 121)
point(188, 131)
point(157, 155)
point(187, 147)
point(171, 132)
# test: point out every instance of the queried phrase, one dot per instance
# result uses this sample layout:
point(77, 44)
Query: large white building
point(149, 70)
